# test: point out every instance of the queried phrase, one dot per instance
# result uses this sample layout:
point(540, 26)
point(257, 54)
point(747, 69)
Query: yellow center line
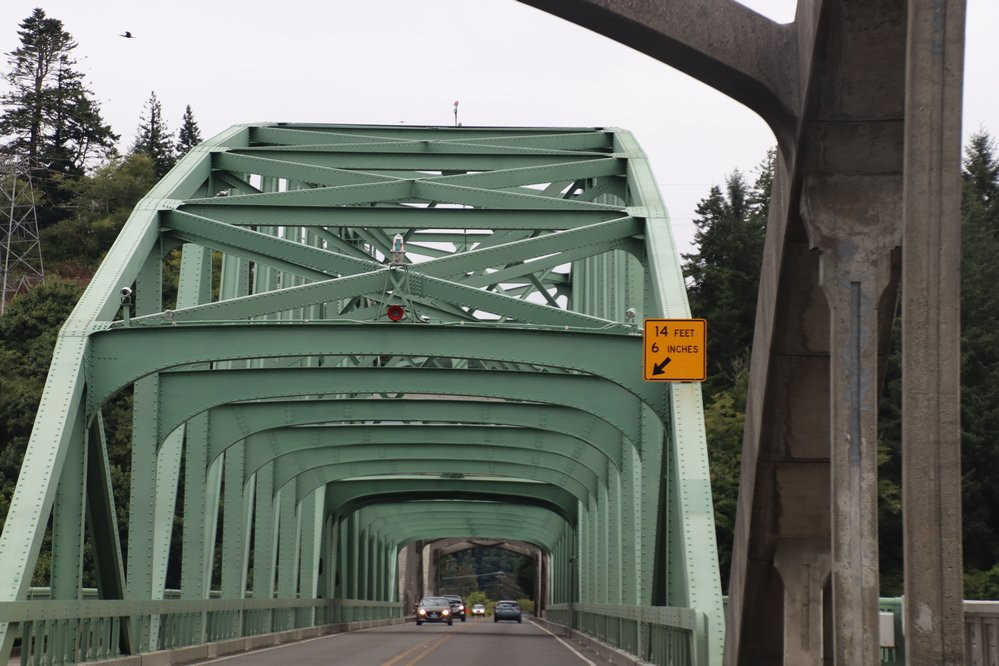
point(429, 647)
point(403, 654)
point(420, 657)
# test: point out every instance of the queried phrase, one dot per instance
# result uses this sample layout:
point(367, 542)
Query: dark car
point(506, 610)
point(433, 609)
point(457, 606)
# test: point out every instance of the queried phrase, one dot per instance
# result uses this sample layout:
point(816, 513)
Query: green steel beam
point(291, 464)
point(345, 497)
point(395, 220)
point(336, 440)
point(517, 407)
point(189, 392)
point(230, 423)
point(605, 355)
point(407, 521)
point(308, 480)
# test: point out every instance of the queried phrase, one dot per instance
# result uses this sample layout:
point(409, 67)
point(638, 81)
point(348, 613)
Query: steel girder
point(516, 375)
point(233, 422)
point(347, 496)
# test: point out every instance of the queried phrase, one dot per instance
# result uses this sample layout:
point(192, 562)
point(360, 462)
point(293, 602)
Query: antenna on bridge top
point(456, 113)
point(20, 249)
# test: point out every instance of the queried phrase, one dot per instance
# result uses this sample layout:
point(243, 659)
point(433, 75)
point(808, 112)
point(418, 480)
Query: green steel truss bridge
point(321, 443)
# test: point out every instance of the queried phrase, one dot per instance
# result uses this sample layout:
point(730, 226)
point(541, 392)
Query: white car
point(478, 609)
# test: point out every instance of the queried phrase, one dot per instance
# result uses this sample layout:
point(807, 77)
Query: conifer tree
point(980, 357)
point(723, 275)
point(153, 138)
point(189, 135)
point(49, 115)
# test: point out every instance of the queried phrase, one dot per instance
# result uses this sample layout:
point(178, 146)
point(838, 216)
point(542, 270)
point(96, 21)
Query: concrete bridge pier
point(864, 98)
point(409, 574)
point(852, 221)
point(804, 567)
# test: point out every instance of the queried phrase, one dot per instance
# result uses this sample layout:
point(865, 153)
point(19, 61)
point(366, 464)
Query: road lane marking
point(420, 657)
point(430, 647)
point(250, 653)
point(570, 648)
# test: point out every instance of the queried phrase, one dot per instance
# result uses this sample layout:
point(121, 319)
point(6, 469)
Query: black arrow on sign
point(658, 368)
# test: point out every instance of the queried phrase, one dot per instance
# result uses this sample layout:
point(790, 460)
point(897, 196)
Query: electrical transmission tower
point(20, 248)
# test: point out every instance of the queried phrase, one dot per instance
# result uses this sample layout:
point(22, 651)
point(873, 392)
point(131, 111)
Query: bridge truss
point(309, 439)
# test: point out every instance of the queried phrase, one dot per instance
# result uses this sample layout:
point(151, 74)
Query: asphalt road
point(476, 642)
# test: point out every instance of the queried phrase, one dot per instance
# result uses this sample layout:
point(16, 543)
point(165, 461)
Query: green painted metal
point(509, 403)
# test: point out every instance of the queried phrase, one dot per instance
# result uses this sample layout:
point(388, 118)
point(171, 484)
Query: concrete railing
point(981, 632)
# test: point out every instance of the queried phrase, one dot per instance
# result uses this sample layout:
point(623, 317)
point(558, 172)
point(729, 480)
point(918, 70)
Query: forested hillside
point(86, 188)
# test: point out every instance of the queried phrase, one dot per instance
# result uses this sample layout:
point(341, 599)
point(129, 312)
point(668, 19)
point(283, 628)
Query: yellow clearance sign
point(675, 350)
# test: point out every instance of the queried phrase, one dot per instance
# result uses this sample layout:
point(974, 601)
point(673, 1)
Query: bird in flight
point(127, 35)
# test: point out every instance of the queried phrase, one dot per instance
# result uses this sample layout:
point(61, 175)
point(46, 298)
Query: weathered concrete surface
point(410, 573)
point(864, 99)
point(931, 255)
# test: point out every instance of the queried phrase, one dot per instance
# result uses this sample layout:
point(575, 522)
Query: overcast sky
point(400, 61)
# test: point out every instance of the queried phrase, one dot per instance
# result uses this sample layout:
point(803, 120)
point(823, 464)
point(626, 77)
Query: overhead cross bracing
point(319, 438)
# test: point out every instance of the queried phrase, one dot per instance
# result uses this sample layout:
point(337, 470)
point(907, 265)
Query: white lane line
point(569, 647)
point(250, 653)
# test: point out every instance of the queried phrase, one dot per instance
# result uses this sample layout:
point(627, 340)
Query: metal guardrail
point(53, 631)
point(658, 634)
point(665, 636)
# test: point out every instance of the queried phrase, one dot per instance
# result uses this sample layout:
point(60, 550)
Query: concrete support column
point(408, 576)
point(430, 572)
point(931, 359)
point(852, 221)
point(804, 567)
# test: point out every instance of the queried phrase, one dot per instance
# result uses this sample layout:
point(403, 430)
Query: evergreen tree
point(189, 135)
point(980, 355)
point(723, 276)
point(49, 115)
point(981, 173)
point(153, 138)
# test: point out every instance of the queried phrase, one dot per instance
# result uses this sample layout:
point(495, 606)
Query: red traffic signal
point(395, 312)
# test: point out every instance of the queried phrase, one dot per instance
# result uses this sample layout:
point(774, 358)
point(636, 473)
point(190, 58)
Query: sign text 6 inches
point(675, 350)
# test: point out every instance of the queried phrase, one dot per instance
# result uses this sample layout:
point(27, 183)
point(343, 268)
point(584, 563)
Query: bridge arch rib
point(511, 393)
